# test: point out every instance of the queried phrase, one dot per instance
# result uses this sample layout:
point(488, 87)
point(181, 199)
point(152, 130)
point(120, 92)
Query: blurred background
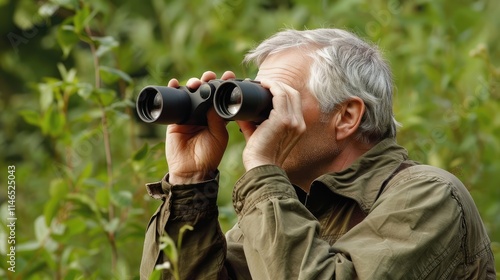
point(70, 72)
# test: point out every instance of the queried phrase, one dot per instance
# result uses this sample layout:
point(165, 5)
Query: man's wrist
point(250, 164)
point(190, 178)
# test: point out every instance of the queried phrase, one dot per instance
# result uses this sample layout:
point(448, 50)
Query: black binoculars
point(244, 100)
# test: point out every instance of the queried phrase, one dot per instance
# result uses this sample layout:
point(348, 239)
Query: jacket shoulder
point(429, 174)
point(476, 240)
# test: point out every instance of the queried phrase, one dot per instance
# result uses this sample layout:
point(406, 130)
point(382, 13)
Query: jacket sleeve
point(411, 233)
point(203, 251)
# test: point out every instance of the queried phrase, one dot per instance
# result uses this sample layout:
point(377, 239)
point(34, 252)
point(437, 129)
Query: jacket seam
point(267, 196)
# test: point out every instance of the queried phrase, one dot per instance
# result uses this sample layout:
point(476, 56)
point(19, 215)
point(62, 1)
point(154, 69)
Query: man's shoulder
point(441, 187)
point(434, 184)
point(429, 182)
point(427, 173)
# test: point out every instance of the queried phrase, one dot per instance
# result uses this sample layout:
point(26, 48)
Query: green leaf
point(121, 198)
point(141, 153)
point(73, 274)
point(46, 119)
point(85, 90)
point(31, 117)
point(155, 275)
point(46, 95)
point(181, 235)
point(42, 233)
point(50, 210)
point(47, 9)
point(102, 198)
point(53, 122)
point(69, 4)
point(94, 183)
point(111, 75)
point(81, 19)
point(75, 226)
point(67, 38)
point(22, 16)
point(41, 229)
point(112, 226)
point(86, 204)
point(103, 96)
point(105, 44)
point(68, 76)
point(85, 173)
point(28, 246)
point(58, 188)
point(32, 271)
point(168, 247)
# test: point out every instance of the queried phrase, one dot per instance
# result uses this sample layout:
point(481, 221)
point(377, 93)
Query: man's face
point(314, 152)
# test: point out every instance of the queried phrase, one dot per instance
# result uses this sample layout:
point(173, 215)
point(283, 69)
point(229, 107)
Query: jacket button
point(239, 205)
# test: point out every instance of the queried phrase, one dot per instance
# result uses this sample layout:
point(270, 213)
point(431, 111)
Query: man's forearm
point(203, 249)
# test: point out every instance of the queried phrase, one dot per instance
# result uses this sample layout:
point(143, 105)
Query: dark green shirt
point(366, 222)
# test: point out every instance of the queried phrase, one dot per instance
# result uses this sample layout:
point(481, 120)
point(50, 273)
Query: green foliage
point(70, 72)
point(171, 251)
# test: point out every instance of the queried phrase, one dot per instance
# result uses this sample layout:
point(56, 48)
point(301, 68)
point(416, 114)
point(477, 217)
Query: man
point(327, 193)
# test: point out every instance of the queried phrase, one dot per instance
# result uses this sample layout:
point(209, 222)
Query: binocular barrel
point(243, 100)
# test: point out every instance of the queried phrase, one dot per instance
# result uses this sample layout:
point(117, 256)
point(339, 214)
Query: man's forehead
point(292, 55)
point(289, 66)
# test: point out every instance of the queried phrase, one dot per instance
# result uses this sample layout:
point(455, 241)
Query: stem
point(69, 152)
point(107, 149)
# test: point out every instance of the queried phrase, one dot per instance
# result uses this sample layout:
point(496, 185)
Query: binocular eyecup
point(244, 100)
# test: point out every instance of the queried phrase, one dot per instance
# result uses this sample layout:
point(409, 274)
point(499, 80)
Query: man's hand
point(194, 152)
point(272, 141)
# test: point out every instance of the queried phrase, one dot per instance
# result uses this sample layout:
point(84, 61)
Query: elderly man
point(327, 193)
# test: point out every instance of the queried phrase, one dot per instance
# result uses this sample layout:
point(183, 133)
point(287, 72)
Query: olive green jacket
point(367, 222)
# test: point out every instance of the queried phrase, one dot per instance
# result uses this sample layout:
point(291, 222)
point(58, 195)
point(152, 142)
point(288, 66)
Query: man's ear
point(348, 117)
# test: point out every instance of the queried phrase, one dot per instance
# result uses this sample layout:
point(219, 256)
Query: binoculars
point(244, 100)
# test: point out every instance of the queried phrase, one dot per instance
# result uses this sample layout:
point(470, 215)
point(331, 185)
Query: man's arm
point(203, 251)
point(189, 193)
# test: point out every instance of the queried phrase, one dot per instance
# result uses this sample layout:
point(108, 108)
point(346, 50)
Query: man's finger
point(228, 75)
point(207, 76)
point(247, 128)
point(173, 83)
point(193, 83)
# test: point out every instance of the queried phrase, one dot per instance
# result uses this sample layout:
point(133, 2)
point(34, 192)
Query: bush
point(71, 70)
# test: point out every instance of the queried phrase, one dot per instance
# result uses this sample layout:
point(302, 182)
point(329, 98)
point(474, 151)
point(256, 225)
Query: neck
point(349, 152)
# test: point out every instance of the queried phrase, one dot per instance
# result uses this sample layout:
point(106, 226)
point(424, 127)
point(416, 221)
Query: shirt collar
point(362, 180)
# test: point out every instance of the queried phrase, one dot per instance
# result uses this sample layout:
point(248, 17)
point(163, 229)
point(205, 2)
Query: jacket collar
point(362, 180)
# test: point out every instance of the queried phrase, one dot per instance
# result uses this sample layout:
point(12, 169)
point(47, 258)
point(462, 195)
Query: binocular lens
point(234, 102)
point(150, 105)
point(242, 100)
point(155, 108)
point(163, 105)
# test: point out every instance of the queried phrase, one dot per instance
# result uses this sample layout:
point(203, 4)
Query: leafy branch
point(171, 250)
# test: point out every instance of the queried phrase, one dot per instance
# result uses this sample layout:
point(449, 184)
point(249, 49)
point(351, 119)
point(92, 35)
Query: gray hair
point(343, 66)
